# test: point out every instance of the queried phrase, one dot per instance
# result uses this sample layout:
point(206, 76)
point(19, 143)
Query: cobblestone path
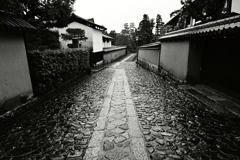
point(176, 125)
point(59, 128)
point(123, 113)
point(117, 135)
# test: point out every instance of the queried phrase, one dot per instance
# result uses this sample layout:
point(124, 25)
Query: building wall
point(149, 55)
point(194, 60)
point(88, 33)
point(97, 41)
point(107, 44)
point(113, 55)
point(174, 58)
point(14, 71)
point(235, 6)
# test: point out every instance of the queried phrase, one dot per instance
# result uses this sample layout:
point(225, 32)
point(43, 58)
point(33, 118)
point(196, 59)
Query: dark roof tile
point(210, 27)
point(11, 22)
point(155, 44)
point(76, 18)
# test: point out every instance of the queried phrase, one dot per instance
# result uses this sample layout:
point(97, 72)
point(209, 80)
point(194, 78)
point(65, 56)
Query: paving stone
point(108, 145)
point(146, 132)
point(151, 150)
point(124, 126)
point(119, 116)
point(117, 122)
point(157, 129)
point(125, 135)
point(118, 131)
point(119, 139)
point(149, 138)
point(166, 134)
point(160, 141)
point(174, 156)
point(146, 127)
point(157, 156)
point(109, 133)
point(110, 126)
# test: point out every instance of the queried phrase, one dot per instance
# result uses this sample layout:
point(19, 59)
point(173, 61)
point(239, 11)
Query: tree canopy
point(159, 26)
point(74, 33)
point(113, 34)
point(41, 13)
point(145, 30)
point(205, 10)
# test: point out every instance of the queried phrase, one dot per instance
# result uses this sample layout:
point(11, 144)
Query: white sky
point(113, 14)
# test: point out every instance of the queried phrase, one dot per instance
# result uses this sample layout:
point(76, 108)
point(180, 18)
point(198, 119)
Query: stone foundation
point(160, 71)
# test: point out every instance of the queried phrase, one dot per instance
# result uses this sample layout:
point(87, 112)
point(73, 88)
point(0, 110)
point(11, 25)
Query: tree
point(43, 15)
point(74, 34)
point(159, 26)
point(205, 10)
point(113, 34)
point(145, 30)
point(125, 31)
point(132, 29)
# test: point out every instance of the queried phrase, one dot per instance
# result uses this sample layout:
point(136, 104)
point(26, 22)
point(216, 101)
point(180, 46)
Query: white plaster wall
point(14, 71)
point(107, 44)
point(149, 55)
point(97, 41)
point(88, 33)
point(113, 55)
point(236, 6)
point(174, 58)
point(110, 44)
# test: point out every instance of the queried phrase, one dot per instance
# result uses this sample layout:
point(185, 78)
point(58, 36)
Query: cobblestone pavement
point(176, 125)
point(61, 127)
point(117, 135)
point(123, 113)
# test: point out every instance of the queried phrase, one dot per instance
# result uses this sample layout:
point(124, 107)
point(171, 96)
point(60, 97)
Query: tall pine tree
point(145, 30)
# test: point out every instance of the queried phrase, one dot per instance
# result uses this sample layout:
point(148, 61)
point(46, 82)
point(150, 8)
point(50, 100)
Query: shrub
point(42, 39)
point(51, 68)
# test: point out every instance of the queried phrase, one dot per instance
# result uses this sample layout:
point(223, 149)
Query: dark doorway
point(221, 64)
point(95, 57)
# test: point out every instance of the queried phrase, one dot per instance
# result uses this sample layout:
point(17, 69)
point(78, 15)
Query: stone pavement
point(123, 112)
point(176, 125)
point(59, 128)
point(117, 135)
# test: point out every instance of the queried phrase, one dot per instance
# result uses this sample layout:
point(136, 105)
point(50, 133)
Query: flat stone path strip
point(117, 135)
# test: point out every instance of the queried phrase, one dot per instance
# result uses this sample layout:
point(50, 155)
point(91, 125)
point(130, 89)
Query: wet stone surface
point(176, 125)
point(116, 142)
point(60, 128)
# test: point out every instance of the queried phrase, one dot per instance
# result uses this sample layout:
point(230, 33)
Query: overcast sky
point(114, 13)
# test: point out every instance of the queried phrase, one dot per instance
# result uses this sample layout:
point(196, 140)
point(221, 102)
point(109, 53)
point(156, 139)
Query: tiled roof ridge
point(104, 35)
point(154, 44)
point(209, 24)
point(87, 20)
point(8, 13)
point(10, 21)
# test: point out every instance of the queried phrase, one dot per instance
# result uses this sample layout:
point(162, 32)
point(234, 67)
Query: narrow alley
point(123, 112)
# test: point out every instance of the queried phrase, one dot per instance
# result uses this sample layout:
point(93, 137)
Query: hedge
point(51, 68)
